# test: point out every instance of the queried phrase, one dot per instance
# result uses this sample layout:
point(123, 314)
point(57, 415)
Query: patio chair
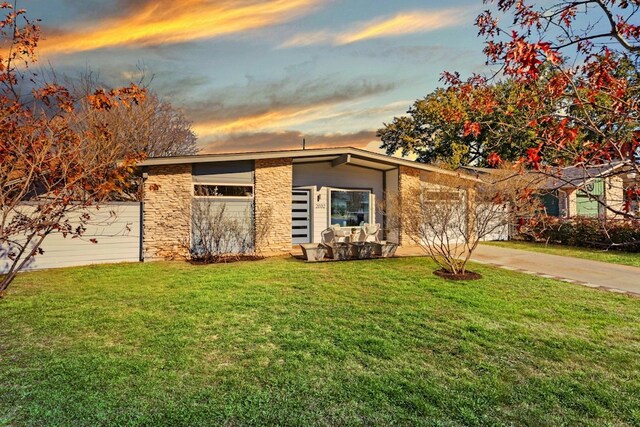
point(370, 232)
point(333, 238)
point(340, 233)
point(328, 236)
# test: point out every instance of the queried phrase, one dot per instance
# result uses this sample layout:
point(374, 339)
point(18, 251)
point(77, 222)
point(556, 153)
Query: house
point(587, 191)
point(582, 190)
point(303, 191)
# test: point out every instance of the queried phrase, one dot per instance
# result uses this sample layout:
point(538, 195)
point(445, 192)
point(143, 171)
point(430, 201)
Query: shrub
point(622, 235)
point(447, 216)
point(220, 234)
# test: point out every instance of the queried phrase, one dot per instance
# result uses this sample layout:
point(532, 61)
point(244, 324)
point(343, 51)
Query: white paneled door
point(301, 216)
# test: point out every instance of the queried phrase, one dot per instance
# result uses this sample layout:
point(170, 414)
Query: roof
point(477, 170)
point(578, 176)
point(569, 177)
point(350, 155)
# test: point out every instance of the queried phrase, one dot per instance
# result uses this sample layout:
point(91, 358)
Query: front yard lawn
point(280, 342)
point(614, 257)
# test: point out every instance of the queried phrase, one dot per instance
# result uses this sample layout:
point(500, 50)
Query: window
point(214, 190)
point(350, 208)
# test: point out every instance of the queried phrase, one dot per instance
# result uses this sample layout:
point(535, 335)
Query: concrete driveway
point(576, 270)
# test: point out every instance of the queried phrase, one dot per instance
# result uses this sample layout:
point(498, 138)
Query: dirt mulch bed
point(225, 259)
point(467, 275)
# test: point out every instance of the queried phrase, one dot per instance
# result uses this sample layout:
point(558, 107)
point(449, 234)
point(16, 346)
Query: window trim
point(220, 184)
point(372, 211)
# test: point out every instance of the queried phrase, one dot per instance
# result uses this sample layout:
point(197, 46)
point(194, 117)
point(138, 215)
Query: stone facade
point(409, 181)
point(614, 194)
point(167, 212)
point(272, 193)
point(572, 202)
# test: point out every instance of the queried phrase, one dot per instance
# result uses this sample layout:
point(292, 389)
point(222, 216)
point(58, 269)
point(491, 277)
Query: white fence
point(117, 229)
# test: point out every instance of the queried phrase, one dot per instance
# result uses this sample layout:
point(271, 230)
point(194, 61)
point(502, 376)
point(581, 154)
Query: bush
point(220, 234)
point(622, 235)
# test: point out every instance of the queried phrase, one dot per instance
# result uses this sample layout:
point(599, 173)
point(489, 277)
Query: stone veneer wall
point(614, 194)
point(272, 195)
point(572, 202)
point(167, 212)
point(409, 178)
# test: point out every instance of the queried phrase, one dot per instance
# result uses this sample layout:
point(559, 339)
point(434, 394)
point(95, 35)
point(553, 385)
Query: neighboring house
point(303, 191)
point(586, 191)
point(582, 191)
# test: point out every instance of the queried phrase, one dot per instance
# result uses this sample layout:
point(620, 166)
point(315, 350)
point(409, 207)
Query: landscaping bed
point(467, 275)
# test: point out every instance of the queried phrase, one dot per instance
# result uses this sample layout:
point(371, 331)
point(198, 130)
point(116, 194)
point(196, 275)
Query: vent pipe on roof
point(304, 144)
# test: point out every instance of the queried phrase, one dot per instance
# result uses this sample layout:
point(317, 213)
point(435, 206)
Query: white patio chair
point(328, 236)
point(370, 232)
point(340, 233)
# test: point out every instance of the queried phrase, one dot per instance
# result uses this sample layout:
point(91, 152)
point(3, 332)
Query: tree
point(152, 126)
point(564, 91)
point(50, 170)
point(448, 217)
point(447, 129)
point(578, 60)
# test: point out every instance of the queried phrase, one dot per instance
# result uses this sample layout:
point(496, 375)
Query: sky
point(262, 75)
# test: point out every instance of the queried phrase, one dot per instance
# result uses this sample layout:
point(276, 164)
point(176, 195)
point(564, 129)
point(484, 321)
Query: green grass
point(614, 257)
point(281, 342)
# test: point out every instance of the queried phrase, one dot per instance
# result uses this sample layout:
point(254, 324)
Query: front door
point(301, 216)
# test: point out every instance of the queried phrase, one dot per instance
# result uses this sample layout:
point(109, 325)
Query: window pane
point(223, 190)
point(349, 208)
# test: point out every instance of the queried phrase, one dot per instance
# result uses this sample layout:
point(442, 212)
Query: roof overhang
point(338, 157)
point(349, 159)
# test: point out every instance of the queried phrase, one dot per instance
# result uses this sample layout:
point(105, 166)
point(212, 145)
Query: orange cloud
point(166, 22)
point(283, 140)
point(404, 23)
point(275, 119)
point(284, 118)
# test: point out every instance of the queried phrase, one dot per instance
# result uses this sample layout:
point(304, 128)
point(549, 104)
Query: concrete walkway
point(576, 270)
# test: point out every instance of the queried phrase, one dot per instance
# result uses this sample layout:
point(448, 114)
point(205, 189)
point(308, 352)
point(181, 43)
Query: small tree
point(152, 126)
point(49, 169)
point(448, 217)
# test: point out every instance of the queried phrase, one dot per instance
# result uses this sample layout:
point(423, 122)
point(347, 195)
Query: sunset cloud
point(285, 140)
point(275, 129)
point(404, 23)
point(279, 104)
point(270, 120)
point(170, 21)
point(225, 65)
point(419, 21)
